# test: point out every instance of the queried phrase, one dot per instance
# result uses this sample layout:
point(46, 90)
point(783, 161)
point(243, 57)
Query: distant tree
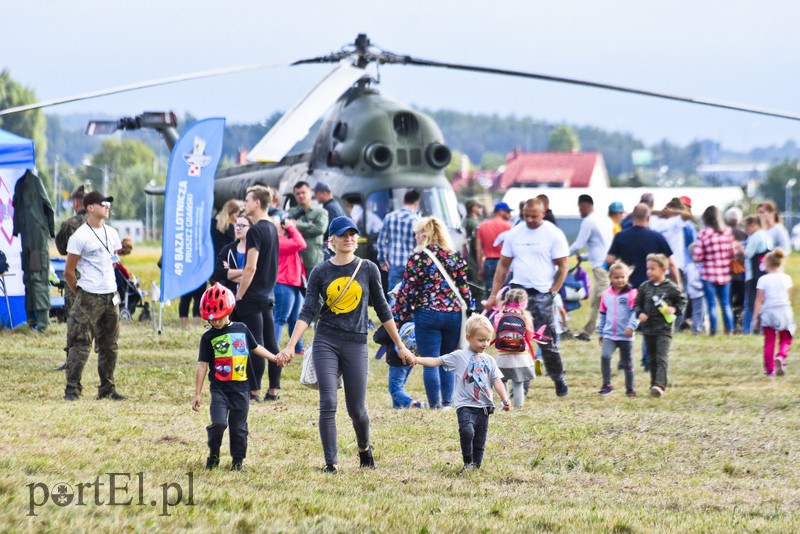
point(774, 185)
point(129, 163)
point(492, 160)
point(30, 124)
point(563, 139)
point(454, 166)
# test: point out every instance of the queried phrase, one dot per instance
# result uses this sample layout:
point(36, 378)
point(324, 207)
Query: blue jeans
point(288, 301)
point(489, 268)
point(395, 277)
point(473, 425)
point(749, 302)
point(721, 292)
point(398, 376)
point(437, 333)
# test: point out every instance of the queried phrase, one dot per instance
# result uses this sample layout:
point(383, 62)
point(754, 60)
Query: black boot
point(366, 458)
point(212, 462)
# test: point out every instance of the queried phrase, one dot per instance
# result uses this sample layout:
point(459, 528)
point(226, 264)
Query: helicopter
point(370, 148)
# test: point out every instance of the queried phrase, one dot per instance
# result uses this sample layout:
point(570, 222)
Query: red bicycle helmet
point(218, 301)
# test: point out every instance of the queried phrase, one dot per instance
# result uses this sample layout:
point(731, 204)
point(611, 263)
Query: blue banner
point(187, 252)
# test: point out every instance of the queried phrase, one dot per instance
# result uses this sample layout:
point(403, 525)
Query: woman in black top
point(340, 340)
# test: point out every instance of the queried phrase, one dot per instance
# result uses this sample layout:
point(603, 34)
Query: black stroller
point(130, 295)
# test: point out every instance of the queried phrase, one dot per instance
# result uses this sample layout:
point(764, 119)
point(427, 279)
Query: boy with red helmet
point(227, 347)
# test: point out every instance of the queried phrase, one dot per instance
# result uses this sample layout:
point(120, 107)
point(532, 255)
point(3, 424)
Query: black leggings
point(183, 305)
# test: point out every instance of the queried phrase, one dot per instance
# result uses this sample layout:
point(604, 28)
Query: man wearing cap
point(595, 234)
point(397, 240)
point(322, 194)
point(68, 228)
point(92, 251)
point(487, 254)
point(615, 213)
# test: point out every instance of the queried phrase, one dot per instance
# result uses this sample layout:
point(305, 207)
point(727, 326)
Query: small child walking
point(224, 354)
point(696, 295)
point(476, 374)
point(616, 326)
point(658, 303)
point(513, 340)
point(773, 310)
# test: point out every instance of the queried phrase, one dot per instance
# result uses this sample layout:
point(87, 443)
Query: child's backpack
point(512, 334)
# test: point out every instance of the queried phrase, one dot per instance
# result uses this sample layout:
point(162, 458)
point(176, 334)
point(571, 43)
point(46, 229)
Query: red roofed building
point(553, 169)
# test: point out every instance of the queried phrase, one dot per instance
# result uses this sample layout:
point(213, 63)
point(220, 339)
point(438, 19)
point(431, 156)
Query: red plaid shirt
point(713, 253)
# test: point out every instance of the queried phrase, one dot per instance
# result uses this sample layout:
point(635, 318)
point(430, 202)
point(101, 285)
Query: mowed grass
point(719, 453)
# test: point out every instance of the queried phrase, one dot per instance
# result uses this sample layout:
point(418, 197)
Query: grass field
point(719, 453)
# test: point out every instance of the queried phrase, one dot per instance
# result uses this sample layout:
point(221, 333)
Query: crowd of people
point(653, 271)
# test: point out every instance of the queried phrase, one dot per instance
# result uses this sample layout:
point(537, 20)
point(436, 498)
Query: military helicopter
point(370, 148)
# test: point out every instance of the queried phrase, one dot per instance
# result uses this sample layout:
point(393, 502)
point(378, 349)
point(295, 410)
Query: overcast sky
point(735, 51)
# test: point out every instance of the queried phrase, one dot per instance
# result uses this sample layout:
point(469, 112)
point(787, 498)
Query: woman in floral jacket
point(426, 298)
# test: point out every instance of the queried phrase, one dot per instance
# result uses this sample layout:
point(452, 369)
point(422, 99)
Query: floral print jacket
point(425, 287)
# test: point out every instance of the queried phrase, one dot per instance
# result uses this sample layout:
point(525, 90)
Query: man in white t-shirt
point(595, 234)
point(537, 251)
point(92, 250)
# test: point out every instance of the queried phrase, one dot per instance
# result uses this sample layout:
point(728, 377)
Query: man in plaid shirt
point(396, 240)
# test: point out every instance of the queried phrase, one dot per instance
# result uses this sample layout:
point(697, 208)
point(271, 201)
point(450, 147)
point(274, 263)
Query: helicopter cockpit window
point(437, 202)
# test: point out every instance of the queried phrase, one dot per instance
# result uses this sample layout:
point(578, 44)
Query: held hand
point(196, 403)
point(407, 356)
point(490, 303)
point(642, 317)
point(629, 332)
point(506, 406)
point(670, 310)
point(600, 341)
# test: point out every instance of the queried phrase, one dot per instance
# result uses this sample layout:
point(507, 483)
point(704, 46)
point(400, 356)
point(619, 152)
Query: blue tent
point(16, 151)
point(16, 155)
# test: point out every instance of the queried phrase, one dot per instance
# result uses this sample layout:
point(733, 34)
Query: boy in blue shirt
point(224, 354)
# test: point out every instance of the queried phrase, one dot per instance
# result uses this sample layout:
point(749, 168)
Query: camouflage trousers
point(92, 315)
point(542, 310)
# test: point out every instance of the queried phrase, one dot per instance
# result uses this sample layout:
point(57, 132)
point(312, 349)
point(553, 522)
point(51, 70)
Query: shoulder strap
point(447, 278)
point(347, 286)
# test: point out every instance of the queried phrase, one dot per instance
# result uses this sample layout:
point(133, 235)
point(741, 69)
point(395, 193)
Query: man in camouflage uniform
point(68, 228)
point(92, 250)
point(312, 222)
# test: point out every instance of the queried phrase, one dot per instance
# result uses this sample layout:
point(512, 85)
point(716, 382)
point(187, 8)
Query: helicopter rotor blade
point(408, 60)
point(297, 121)
point(142, 85)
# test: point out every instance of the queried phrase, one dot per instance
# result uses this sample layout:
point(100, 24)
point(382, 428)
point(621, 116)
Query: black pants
point(540, 306)
point(193, 298)
point(229, 409)
point(473, 424)
point(261, 323)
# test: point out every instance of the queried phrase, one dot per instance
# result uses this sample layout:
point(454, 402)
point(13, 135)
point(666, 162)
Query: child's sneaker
point(780, 364)
point(607, 389)
point(236, 465)
point(419, 404)
point(562, 389)
point(330, 468)
point(467, 467)
point(212, 462)
point(656, 391)
point(630, 393)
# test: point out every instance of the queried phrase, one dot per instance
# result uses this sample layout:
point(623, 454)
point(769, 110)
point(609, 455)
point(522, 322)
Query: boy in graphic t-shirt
point(476, 375)
point(224, 354)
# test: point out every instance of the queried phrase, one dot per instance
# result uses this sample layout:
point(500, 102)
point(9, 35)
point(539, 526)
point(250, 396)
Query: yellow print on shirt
point(349, 301)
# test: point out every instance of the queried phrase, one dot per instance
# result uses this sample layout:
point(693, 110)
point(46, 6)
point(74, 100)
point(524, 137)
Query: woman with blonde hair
point(222, 225)
point(771, 222)
point(434, 294)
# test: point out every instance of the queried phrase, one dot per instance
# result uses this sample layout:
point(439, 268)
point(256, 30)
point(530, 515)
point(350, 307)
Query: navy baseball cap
point(502, 206)
point(340, 225)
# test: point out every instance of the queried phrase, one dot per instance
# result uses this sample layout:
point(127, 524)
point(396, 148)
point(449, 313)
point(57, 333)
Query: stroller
point(130, 294)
